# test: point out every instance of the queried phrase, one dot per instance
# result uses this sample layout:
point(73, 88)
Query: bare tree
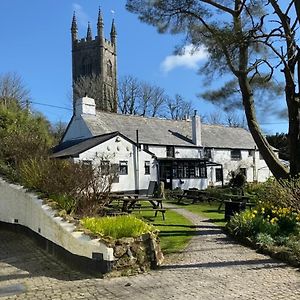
point(215, 118)
point(129, 92)
point(157, 102)
point(58, 129)
point(234, 120)
point(145, 96)
point(140, 98)
point(12, 88)
point(178, 108)
point(225, 118)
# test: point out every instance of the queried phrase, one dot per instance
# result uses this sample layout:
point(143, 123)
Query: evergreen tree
point(249, 40)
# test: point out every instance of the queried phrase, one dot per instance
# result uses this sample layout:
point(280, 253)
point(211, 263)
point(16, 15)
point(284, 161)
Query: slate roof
point(67, 150)
point(168, 132)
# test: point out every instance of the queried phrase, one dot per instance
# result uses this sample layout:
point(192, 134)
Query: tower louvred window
point(109, 69)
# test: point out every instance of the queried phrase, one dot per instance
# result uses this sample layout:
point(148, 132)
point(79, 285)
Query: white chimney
point(85, 106)
point(196, 129)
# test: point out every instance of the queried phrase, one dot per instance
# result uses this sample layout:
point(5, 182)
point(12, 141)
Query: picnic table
point(194, 195)
point(236, 198)
point(133, 202)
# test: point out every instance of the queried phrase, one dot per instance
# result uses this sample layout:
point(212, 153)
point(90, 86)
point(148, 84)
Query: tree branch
point(219, 6)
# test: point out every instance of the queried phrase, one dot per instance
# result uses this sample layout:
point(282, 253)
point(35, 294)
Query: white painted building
point(182, 153)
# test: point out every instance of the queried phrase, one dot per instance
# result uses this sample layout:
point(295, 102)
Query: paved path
point(211, 268)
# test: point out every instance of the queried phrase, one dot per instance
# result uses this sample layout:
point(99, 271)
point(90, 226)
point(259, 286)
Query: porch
point(187, 173)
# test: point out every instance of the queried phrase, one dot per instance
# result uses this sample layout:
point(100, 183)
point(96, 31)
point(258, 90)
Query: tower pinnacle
point(100, 25)
point(113, 32)
point(89, 36)
point(74, 28)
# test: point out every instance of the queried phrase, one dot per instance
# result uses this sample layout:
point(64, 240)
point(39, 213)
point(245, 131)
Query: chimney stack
point(85, 106)
point(196, 129)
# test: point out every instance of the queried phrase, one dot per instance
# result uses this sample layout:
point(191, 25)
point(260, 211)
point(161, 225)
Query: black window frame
point(147, 167)
point(189, 169)
point(235, 154)
point(170, 151)
point(123, 167)
point(219, 174)
point(251, 153)
point(207, 153)
point(105, 167)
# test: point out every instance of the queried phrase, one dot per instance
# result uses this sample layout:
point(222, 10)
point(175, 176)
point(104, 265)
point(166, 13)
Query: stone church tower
point(96, 58)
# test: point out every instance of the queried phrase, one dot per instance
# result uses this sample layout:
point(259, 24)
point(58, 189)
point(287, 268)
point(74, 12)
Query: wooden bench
point(194, 195)
point(236, 198)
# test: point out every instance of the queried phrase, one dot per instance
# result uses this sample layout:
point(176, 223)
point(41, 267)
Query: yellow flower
point(274, 220)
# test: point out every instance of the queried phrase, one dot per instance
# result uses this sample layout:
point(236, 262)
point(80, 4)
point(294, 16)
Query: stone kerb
point(25, 211)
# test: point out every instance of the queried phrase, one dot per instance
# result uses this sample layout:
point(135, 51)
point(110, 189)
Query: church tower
point(95, 59)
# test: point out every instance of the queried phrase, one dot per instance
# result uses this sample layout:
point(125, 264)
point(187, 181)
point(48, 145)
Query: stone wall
point(136, 255)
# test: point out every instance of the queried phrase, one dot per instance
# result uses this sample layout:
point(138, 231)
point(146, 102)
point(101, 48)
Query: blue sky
point(35, 43)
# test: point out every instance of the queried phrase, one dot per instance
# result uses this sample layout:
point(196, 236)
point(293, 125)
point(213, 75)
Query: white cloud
point(189, 58)
point(81, 16)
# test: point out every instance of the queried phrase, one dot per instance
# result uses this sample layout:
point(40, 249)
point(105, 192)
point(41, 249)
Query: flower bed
point(274, 230)
point(134, 242)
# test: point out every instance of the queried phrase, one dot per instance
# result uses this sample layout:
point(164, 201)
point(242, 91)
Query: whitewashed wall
point(18, 206)
point(185, 152)
point(159, 151)
point(180, 152)
point(119, 149)
point(256, 167)
point(187, 183)
point(77, 130)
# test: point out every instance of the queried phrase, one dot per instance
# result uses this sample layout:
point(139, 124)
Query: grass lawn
point(207, 210)
point(175, 232)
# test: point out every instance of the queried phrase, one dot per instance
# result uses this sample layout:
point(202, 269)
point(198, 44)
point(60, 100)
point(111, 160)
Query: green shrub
point(23, 135)
point(75, 187)
point(250, 223)
point(245, 224)
point(293, 243)
point(264, 239)
point(282, 193)
point(238, 180)
point(69, 204)
point(117, 227)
